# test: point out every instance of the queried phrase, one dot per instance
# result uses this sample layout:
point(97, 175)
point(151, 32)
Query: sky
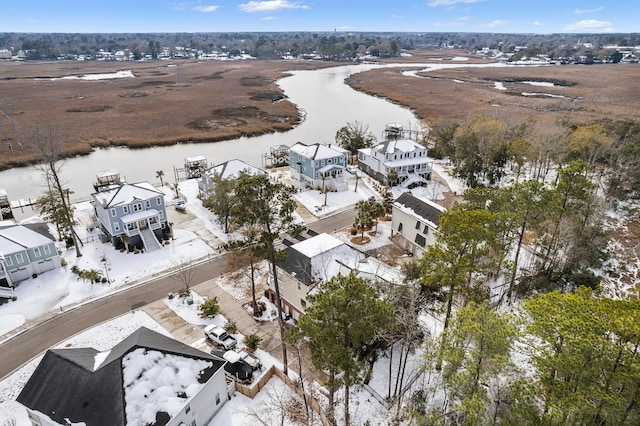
point(492, 16)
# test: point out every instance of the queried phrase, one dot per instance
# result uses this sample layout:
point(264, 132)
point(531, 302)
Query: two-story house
point(146, 379)
point(136, 211)
point(308, 264)
point(407, 158)
point(228, 170)
point(25, 250)
point(318, 166)
point(414, 222)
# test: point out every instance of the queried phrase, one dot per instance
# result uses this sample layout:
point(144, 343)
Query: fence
point(252, 391)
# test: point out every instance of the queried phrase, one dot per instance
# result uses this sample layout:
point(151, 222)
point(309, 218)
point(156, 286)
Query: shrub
point(252, 341)
point(209, 307)
point(231, 327)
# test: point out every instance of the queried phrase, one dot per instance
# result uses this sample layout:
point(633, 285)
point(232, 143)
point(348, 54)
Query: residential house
point(414, 222)
point(318, 166)
point(25, 250)
point(228, 170)
point(146, 379)
point(404, 156)
point(133, 212)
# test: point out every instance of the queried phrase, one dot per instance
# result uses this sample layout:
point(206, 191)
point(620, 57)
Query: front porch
point(146, 225)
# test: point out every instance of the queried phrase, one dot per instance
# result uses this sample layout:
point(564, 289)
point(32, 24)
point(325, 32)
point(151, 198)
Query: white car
point(219, 336)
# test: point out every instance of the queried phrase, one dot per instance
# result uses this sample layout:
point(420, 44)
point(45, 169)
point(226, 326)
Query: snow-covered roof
point(3, 193)
point(420, 208)
point(195, 159)
point(126, 193)
point(319, 244)
point(22, 236)
point(134, 217)
point(398, 145)
point(107, 173)
point(317, 151)
point(408, 161)
point(232, 168)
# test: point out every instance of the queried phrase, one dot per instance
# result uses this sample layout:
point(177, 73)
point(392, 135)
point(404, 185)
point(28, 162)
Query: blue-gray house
point(25, 250)
point(133, 213)
point(318, 166)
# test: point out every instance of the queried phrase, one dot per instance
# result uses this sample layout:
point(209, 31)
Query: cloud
point(588, 24)
point(178, 6)
point(436, 3)
point(496, 23)
point(586, 11)
point(270, 6)
point(268, 18)
point(537, 23)
point(396, 16)
point(206, 9)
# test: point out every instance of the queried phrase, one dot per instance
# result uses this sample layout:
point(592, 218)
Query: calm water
point(327, 102)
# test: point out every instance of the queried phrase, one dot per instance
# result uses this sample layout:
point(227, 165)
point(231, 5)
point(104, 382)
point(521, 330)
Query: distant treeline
point(335, 46)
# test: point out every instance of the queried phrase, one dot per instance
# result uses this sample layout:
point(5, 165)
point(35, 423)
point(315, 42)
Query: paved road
point(22, 348)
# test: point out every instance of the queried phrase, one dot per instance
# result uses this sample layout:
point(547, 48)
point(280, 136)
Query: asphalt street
point(25, 346)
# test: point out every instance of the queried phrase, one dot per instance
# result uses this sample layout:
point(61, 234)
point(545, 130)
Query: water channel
point(326, 102)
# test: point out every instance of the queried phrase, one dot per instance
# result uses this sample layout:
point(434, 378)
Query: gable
point(125, 194)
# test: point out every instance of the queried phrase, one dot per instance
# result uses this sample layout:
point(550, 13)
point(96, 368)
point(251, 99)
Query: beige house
point(414, 222)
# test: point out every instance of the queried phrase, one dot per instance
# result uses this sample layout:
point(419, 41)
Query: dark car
point(235, 365)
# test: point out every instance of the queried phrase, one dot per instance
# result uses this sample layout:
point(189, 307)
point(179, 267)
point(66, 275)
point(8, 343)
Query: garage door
point(19, 274)
point(43, 266)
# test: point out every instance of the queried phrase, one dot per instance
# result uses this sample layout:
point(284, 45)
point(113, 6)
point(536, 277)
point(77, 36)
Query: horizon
point(284, 16)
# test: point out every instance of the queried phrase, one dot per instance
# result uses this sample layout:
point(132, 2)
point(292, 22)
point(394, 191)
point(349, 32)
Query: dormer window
point(137, 207)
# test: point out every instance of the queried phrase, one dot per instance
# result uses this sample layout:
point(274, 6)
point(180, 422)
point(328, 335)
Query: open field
point(177, 101)
point(165, 103)
point(582, 93)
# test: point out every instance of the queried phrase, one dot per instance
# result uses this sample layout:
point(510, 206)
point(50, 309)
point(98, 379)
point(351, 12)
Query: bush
point(231, 327)
point(252, 341)
point(209, 307)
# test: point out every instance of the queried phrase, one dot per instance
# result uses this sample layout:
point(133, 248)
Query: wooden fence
point(252, 391)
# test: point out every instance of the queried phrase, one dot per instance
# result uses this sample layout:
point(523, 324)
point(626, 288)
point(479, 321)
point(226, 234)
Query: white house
point(147, 379)
point(228, 170)
point(25, 250)
point(414, 222)
point(406, 157)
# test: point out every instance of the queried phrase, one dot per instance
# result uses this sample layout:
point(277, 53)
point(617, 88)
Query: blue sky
point(499, 16)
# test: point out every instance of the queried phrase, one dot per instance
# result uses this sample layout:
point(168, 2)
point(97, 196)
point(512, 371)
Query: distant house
point(146, 379)
point(414, 222)
point(406, 157)
point(135, 210)
point(25, 250)
point(318, 166)
point(228, 170)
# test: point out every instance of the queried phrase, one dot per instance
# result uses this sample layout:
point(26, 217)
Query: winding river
point(326, 102)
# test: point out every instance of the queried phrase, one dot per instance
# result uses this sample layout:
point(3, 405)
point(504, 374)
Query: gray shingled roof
point(65, 384)
point(420, 207)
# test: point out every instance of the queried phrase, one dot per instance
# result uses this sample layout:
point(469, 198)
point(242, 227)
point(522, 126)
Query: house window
point(400, 227)
point(8, 261)
point(303, 303)
point(158, 201)
point(425, 230)
point(137, 207)
point(329, 161)
point(298, 285)
point(187, 409)
point(129, 226)
point(113, 212)
point(217, 398)
point(125, 209)
point(116, 226)
point(417, 225)
point(47, 250)
point(148, 203)
point(19, 258)
point(160, 215)
point(36, 251)
point(421, 240)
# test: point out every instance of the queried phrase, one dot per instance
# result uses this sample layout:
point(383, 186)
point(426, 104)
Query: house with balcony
point(25, 251)
point(133, 213)
point(146, 379)
point(228, 170)
point(407, 158)
point(318, 166)
point(414, 222)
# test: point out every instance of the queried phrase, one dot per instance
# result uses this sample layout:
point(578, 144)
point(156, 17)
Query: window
point(36, 252)
point(421, 240)
point(137, 207)
point(113, 212)
point(217, 398)
point(47, 250)
point(303, 303)
point(425, 230)
point(158, 201)
point(8, 261)
point(148, 204)
point(129, 226)
point(400, 227)
point(116, 226)
point(187, 409)
point(19, 258)
point(417, 225)
point(125, 209)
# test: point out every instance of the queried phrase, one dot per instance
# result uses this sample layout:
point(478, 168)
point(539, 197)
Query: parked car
point(219, 336)
point(235, 365)
point(181, 205)
point(250, 359)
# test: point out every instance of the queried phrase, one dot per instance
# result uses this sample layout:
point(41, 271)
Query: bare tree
point(49, 144)
point(186, 274)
